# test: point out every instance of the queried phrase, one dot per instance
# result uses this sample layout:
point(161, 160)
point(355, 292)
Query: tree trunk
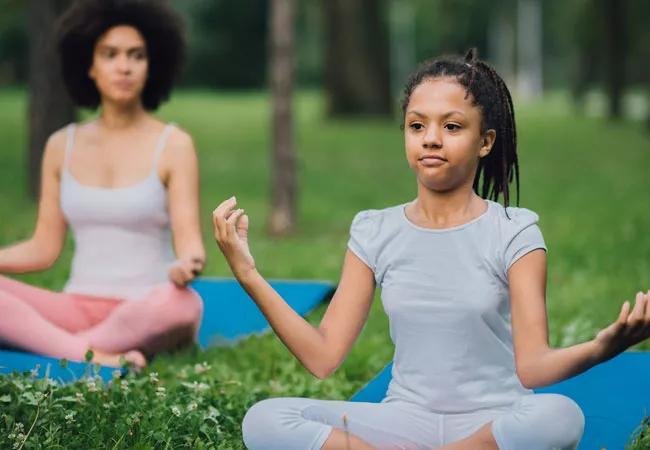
point(501, 42)
point(529, 54)
point(283, 176)
point(402, 18)
point(615, 50)
point(50, 108)
point(357, 78)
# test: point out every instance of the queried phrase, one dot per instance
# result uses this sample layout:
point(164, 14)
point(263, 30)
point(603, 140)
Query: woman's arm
point(320, 349)
point(44, 247)
point(539, 365)
point(182, 179)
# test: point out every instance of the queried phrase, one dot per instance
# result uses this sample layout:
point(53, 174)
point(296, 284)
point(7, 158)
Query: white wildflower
point(92, 385)
point(202, 367)
point(161, 392)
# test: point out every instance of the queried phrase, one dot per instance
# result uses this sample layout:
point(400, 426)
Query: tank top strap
point(69, 143)
point(162, 141)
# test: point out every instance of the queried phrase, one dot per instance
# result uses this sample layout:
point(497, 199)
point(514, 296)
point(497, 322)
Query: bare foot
point(133, 358)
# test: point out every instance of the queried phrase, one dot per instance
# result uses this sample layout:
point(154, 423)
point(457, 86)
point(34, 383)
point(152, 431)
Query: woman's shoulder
point(54, 151)
point(179, 144)
point(178, 136)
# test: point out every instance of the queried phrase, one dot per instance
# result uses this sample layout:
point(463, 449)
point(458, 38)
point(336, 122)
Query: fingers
point(185, 271)
point(196, 266)
point(232, 220)
point(242, 227)
point(638, 313)
point(646, 317)
point(625, 312)
point(219, 216)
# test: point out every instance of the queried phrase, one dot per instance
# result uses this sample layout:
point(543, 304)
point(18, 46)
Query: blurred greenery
point(586, 177)
point(228, 39)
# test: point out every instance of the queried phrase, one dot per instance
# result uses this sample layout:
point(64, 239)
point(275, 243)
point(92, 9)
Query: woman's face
point(120, 65)
point(442, 134)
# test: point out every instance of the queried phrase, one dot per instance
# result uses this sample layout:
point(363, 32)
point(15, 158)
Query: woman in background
point(125, 183)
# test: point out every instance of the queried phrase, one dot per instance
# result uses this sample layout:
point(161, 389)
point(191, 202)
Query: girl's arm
point(320, 349)
point(44, 247)
point(181, 165)
point(539, 365)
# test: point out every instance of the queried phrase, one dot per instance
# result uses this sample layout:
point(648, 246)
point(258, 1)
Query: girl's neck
point(447, 209)
point(115, 117)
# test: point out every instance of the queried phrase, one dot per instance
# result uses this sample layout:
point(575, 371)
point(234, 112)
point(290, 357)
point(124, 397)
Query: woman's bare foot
point(133, 358)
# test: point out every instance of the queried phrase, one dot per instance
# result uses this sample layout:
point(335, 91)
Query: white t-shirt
point(445, 292)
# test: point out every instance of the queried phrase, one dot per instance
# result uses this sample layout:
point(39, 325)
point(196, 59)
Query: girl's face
point(120, 65)
point(443, 136)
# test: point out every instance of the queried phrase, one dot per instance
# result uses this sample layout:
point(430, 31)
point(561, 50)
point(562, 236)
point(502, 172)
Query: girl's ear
point(487, 141)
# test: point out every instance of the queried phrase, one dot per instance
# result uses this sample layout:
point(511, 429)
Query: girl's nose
point(432, 138)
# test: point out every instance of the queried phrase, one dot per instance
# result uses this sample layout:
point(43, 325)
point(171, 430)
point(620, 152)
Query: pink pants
point(65, 325)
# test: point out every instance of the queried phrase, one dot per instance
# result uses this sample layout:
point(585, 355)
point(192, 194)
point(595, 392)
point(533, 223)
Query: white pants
point(534, 422)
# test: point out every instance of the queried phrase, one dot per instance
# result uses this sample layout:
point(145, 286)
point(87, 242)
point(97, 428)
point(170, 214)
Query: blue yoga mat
point(229, 315)
point(614, 397)
point(42, 366)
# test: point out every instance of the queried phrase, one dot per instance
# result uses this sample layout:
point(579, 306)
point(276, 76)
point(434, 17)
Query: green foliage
point(227, 43)
point(641, 437)
point(586, 178)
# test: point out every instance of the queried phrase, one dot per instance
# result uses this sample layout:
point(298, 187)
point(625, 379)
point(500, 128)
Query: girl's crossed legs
point(65, 325)
point(534, 422)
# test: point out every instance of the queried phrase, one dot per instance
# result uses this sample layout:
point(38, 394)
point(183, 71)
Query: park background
point(317, 98)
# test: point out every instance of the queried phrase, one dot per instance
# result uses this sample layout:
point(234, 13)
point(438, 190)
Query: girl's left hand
point(185, 270)
point(630, 328)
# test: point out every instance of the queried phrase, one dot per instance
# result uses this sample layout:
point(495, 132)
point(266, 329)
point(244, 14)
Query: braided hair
point(490, 93)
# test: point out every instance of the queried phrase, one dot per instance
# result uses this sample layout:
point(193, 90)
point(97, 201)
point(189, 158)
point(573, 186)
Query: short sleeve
point(363, 231)
point(522, 236)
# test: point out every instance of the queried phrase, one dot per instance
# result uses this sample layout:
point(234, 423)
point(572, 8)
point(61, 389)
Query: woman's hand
point(231, 233)
point(185, 270)
point(630, 328)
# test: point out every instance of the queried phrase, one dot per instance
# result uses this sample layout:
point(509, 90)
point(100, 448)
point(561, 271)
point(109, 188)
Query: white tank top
point(122, 235)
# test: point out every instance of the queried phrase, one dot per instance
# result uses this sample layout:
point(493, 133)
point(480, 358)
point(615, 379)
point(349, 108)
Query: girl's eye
point(416, 126)
point(452, 126)
point(109, 53)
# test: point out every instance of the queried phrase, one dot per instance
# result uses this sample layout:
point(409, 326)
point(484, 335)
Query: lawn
point(587, 179)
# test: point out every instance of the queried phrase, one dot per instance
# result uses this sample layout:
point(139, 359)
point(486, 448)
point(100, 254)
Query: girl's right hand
point(231, 233)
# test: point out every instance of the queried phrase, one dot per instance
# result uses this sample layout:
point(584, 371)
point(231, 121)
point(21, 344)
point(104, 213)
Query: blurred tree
point(501, 40)
point(453, 26)
point(13, 42)
point(309, 43)
point(50, 108)
point(227, 42)
point(615, 48)
point(402, 20)
point(283, 165)
point(356, 61)
point(529, 49)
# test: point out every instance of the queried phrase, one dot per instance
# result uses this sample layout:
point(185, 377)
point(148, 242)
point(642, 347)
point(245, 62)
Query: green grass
point(587, 179)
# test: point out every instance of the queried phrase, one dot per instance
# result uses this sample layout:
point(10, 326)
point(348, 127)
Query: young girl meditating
point(125, 183)
point(463, 283)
